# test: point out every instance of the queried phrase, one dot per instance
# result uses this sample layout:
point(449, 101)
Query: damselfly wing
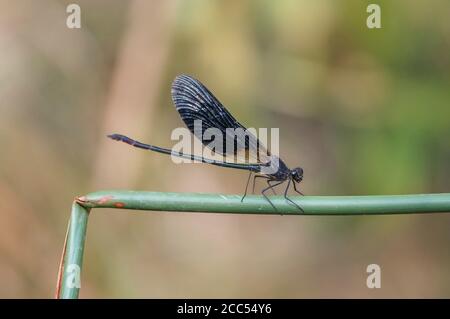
point(197, 105)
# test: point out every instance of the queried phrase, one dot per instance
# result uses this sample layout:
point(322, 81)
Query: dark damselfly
point(194, 102)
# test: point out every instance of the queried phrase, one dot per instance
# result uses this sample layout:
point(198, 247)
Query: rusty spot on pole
point(81, 199)
point(104, 199)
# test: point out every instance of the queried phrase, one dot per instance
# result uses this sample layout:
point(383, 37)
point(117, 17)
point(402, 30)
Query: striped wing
point(195, 103)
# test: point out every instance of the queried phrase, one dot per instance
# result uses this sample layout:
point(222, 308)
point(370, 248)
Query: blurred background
point(363, 111)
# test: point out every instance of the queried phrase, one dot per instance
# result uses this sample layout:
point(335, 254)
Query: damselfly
point(194, 102)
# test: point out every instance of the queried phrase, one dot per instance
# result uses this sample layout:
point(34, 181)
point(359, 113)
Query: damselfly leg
point(290, 200)
point(263, 192)
point(295, 188)
point(246, 186)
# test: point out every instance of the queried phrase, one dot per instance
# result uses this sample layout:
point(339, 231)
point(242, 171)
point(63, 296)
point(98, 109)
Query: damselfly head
point(297, 174)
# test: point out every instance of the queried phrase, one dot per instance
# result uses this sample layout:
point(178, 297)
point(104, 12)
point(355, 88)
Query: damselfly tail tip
point(116, 137)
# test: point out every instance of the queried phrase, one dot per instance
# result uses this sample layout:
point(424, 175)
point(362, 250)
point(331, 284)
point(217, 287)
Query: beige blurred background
point(362, 111)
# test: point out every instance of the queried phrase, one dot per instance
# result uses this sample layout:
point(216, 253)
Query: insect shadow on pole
point(194, 102)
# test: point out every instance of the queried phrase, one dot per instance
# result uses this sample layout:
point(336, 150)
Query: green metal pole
point(69, 281)
point(70, 269)
point(253, 204)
